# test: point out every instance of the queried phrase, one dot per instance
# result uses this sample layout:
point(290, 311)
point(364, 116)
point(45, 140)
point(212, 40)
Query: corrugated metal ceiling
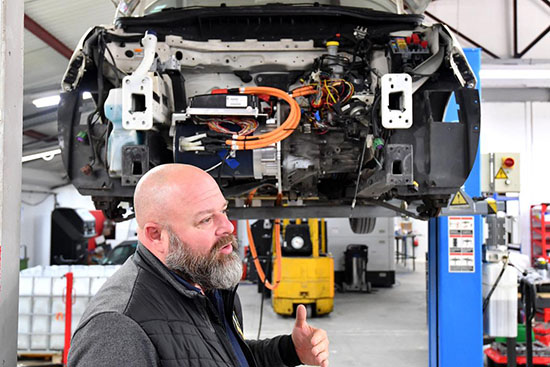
point(43, 69)
point(65, 20)
point(43, 66)
point(68, 20)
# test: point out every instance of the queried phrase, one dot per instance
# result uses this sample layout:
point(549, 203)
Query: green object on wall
point(23, 263)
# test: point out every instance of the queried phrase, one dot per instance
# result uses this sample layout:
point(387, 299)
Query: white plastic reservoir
point(500, 318)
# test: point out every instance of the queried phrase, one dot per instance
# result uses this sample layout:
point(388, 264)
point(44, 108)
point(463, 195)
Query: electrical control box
point(406, 53)
point(224, 104)
point(500, 172)
point(224, 101)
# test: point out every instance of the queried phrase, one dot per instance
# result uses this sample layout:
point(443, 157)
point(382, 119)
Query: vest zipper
point(229, 310)
point(221, 333)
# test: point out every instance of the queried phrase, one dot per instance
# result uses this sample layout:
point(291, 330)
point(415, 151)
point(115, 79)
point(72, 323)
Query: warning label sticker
point(501, 174)
point(461, 245)
point(459, 199)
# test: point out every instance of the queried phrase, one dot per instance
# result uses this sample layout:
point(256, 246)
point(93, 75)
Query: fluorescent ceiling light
point(46, 101)
point(47, 155)
point(515, 74)
point(54, 100)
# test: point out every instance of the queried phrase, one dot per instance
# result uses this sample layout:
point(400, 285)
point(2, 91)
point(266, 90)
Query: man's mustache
point(222, 242)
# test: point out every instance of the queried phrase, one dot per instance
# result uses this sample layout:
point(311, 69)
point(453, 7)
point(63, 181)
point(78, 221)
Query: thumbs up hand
point(311, 343)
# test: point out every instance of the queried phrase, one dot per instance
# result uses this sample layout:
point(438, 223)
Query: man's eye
point(206, 220)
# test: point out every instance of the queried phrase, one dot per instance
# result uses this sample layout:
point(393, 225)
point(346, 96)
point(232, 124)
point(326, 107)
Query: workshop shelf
point(497, 359)
point(540, 231)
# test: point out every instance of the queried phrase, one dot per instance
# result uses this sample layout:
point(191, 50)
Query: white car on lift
point(299, 110)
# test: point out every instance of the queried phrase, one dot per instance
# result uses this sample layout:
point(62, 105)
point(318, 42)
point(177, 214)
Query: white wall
point(36, 212)
point(68, 197)
point(420, 228)
point(524, 128)
point(490, 23)
point(124, 231)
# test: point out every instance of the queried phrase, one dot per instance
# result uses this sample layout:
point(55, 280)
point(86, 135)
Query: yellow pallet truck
point(303, 271)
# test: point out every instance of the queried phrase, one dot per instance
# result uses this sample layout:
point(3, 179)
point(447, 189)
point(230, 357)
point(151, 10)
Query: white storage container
point(500, 319)
point(42, 303)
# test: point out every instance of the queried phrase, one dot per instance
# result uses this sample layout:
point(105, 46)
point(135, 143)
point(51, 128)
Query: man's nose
point(226, 226)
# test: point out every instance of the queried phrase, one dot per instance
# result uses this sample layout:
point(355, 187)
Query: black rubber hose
point(488, 298)
point(529, 294)
point(264, 289)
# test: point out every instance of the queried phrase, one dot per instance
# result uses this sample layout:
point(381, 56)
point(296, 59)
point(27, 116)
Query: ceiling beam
point(517, 94)
point(49, 178)
point(468, 39)
point(38, 137)
point(37, 119)
point(47, 37)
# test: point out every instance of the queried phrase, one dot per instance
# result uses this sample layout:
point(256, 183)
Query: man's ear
point(155, 238)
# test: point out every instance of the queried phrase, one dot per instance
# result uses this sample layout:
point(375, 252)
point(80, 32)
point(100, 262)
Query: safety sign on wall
point(461, 245)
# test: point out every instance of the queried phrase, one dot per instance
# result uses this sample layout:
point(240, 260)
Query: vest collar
point(145, 259)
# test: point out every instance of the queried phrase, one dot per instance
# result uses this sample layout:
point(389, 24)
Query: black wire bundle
point(529, 292)
point(488, 298)
point(98, 114)
point(264, 290)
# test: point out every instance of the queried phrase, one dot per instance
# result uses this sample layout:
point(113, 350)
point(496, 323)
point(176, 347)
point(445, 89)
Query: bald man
point(174, 302)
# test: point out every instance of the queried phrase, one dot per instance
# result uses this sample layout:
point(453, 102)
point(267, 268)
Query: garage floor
point(385, 328)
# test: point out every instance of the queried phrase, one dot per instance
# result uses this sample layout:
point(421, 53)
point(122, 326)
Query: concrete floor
point(384, 328)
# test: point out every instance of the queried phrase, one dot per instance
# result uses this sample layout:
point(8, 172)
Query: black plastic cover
point(224, 101)
point(268, 22)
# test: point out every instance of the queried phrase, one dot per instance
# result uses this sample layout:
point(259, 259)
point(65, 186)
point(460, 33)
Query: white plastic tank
point(500, 318)
point(42, 303)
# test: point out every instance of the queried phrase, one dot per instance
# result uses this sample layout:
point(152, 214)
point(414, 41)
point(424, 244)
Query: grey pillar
point(11, 117)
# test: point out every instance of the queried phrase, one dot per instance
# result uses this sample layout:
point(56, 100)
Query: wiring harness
point(216, 138)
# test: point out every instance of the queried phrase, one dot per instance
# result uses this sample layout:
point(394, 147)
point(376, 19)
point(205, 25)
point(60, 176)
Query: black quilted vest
point(184, 326)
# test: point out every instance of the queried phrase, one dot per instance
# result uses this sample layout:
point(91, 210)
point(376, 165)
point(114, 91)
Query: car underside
point(286, 106)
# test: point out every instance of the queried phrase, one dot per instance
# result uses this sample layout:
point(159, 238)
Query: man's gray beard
point(211, 271)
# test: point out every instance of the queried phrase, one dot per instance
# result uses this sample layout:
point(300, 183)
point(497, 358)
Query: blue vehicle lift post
point(455, 320)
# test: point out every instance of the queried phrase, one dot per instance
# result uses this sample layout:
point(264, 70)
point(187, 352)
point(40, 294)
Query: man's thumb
point(301, 315)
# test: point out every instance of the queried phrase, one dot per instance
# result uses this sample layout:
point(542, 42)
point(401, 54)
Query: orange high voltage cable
point(280, 133)
point(261, 274)
point(291, 119)
point(278, 253)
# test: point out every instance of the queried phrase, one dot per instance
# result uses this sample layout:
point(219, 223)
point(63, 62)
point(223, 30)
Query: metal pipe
point(47, 37)
point(68, 316)
point(492, 172)
point(11, 105)
point(534, 42)
point(519, 55)
point(528, 289)
point(515, 13)
point(511, 352)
